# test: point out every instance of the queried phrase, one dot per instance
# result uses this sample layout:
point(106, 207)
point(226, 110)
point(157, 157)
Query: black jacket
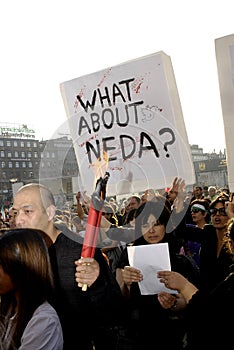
point(151, 325)
point(209, 317)
point(87, 317)
point(213, 269)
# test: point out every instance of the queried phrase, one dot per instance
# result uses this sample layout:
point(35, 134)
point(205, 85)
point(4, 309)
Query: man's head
point(35, 207)
point(133, 202)
point(197, 192)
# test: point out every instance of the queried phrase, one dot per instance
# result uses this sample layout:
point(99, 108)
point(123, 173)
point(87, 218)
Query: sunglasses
point(221, 211)
point(196, 210)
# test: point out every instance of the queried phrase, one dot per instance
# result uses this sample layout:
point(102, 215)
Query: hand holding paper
point(150, 259)
point(130, 275)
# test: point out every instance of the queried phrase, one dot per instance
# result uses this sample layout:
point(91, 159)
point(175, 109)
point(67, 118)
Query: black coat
point(87, 317)
point(151, 325)
point(209, 317)
point(213, 269)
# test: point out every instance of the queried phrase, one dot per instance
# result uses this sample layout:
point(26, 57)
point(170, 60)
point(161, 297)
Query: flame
point(100, 166)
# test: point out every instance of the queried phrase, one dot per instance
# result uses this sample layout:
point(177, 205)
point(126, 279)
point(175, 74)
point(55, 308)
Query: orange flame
point(100, 166)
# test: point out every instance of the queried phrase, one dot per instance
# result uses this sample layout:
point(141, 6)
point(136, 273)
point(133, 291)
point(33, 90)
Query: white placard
point(130, 113)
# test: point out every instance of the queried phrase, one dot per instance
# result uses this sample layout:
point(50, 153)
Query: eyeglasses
point(221, 211)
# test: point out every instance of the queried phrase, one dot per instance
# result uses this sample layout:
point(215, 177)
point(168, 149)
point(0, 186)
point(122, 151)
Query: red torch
point(94, 219)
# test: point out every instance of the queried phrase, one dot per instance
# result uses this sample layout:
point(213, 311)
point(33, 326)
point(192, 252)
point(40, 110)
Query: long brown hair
point(24, 257)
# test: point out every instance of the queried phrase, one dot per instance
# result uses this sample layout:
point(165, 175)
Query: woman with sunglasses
point(200, 212)
point(199, 209)
point(214, 259)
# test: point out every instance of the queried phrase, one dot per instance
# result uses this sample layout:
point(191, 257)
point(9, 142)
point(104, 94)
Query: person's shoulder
point(47, 316)
point(46, 308)
point(43, 328)
point(209, 228)
point(67, 235)
point(44, 316)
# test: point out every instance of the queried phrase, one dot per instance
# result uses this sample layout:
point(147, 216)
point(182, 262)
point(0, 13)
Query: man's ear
point(50, 211)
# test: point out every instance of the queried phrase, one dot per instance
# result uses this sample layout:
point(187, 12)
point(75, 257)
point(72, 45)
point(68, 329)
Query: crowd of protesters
point(111, 313)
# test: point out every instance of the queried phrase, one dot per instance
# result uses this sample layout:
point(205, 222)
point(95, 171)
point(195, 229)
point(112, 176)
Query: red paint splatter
point(104, 77)
point(76, 103)
point(116, 168)
point(91, 138)
point(138, 88)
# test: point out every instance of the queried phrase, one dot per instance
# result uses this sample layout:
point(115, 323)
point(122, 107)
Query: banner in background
point(224, 48)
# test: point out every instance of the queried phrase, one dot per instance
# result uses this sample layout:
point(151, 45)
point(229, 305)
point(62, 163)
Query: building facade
point(23, 159)
point(210, 168)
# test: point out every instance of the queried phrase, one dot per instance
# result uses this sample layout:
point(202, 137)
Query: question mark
point(163, 131)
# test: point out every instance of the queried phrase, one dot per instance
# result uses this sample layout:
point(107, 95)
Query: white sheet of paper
point(150, 259)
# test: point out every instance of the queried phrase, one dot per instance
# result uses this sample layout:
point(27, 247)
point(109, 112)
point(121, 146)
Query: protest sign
point(225, 62)
point(131, 115)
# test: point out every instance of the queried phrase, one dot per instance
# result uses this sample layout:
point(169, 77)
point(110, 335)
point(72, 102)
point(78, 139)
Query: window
point(8, 143)
point(2, 154)
point(15, 143)
point(21, 143)
point(17, 164)
point(9, 154)
point(10, 164)
point(16, 154)
point(23, 154)
point(23, 164)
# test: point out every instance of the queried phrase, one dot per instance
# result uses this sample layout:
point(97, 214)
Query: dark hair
point(222, 198)
point(158, 209)
point(197, 187)
point(203, 202)
point(24, 257)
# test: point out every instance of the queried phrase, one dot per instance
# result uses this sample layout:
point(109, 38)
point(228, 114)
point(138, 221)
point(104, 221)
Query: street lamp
point(13, 182)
